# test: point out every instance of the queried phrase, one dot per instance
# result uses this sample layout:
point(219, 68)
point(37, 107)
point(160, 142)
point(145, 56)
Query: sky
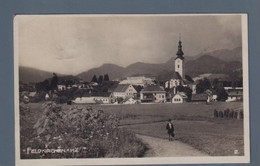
point(71, 44)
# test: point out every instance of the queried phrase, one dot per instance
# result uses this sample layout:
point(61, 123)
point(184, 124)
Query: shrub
point(89, 131)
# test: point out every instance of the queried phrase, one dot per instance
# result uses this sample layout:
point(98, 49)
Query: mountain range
point(222, 61)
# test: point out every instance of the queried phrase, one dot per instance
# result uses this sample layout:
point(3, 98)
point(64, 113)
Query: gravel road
point(159, 147)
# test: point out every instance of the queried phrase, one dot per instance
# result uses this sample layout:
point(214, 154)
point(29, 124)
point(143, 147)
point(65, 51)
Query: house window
point(178, 66)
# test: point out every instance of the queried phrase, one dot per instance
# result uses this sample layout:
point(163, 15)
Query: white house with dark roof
point(180, 97)
point(153, 94)
point(124, 91)
point(199, 98)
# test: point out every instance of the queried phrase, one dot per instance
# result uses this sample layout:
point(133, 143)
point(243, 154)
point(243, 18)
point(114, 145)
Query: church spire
point(180, 52)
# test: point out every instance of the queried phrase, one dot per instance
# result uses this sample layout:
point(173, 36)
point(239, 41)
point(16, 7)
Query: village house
point(153, 94)
point(212, 95)
point(61, 87)
point(234, 93)
point(129, 101)
point(199, 98)
point(95, 98)
point(124, 91)
point(180, 97)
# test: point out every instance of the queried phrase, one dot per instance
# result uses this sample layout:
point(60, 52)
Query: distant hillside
point(210, 64)
point(27, 74)
point(216, 62)
point(227, 55)
point(135, 69)
point(114, 72)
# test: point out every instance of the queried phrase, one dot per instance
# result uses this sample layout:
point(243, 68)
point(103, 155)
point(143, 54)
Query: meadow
point(194, 124)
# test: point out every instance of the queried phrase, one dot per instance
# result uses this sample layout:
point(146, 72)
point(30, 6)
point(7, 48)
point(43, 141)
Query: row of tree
point(216, 86)
point(100, 79)
point(47, 85)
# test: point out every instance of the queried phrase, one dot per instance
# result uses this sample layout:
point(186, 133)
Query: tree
point(42, 86)
point(186, 90)
point(106, 77)
point(222, 94)
point(100, 79)
point(215, 83)
point(54, 82)
point(94, 79)
point(203, 85)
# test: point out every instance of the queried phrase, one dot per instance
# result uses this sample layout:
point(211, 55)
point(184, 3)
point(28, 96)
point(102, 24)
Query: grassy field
point(194, 124)
point(146, 113)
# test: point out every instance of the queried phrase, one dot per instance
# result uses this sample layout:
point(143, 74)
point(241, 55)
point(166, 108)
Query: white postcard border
point(138, 161)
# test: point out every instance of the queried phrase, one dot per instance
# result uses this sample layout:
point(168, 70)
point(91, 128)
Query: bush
point(89, 131)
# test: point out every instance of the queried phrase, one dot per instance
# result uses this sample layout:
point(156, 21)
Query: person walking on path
point(170, 130)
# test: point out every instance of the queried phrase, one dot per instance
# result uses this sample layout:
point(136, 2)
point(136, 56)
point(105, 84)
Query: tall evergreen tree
point(94, 79)
point(203, 85)
point(106, 77)
point(100, 79)
point(54, 82)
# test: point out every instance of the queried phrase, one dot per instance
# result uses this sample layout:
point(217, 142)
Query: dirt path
point(163, 148)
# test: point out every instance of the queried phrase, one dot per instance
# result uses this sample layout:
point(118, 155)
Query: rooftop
point(199, 97)
point(121, 88)
point(153, 88)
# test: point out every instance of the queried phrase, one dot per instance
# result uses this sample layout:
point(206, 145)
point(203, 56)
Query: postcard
point(126, 89)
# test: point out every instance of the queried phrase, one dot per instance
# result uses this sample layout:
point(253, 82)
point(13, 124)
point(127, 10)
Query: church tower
point(179, 61)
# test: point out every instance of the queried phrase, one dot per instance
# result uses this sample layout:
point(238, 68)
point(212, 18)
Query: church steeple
point(180, 52)
point(179, 61)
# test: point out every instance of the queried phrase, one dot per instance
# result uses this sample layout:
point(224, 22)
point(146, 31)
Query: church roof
point(176, 75)
point(188, 80)
point(152, 88)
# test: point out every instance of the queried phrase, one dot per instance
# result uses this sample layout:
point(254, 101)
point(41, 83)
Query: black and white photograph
point(115, 89)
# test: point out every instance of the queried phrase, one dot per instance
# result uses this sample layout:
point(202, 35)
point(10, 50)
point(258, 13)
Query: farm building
point(94, 98)
point(199, 98)
point(124, 91)
point(234, 94)
point(153, 94)
point(62, 87)
point(138, 81)
point(212, 95)
point(180, 97)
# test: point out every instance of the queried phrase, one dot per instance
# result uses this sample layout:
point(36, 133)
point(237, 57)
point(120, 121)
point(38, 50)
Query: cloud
point(71, 44)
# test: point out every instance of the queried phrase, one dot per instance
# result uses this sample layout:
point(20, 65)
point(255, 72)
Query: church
point(179, 78)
